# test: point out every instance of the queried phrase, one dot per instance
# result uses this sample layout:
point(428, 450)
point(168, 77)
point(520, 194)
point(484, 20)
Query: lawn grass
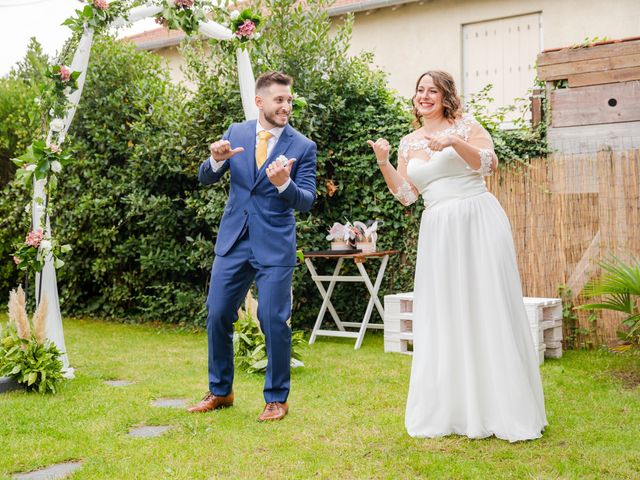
point(346, 417)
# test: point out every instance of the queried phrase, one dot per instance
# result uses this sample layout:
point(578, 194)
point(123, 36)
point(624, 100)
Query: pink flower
point(247, 29)
point(16, 260)
point(54, 148)
point(184, 3)
point(101, 4)
point(65, 73)
point(34, 238)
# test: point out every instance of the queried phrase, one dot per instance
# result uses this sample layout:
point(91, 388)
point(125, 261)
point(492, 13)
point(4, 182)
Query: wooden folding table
point(373, 288)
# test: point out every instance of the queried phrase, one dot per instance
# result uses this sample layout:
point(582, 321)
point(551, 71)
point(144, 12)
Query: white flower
point(57, 263)
point(56, 166)
point(57, 124)
point(234, 14)
point(27, 208)
point(45, 246)
point(31, 167)
point(256, 35)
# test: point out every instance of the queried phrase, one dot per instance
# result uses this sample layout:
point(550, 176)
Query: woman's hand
point(381, 149)
point(440, 142)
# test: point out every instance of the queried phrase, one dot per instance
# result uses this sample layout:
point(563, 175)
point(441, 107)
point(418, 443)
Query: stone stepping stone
point(119, 383)
point(8, 384)
point(170, 403)
point(147, 431)
point(60, 470)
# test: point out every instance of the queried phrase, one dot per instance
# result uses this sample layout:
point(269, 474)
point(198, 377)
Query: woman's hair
point(450, 99)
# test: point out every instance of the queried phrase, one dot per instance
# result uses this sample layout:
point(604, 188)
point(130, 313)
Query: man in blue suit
point(273, 172)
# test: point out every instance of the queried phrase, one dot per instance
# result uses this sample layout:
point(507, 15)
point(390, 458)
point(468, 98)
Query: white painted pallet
point(398, 323)
point(545, 318)
point(544, 314)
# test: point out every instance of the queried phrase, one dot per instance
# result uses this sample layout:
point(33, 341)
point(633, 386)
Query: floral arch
point(45, 159)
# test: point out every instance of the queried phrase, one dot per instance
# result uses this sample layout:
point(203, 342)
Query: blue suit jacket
point(254, 201)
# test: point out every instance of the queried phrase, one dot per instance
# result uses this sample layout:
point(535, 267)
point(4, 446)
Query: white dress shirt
point(275, 136)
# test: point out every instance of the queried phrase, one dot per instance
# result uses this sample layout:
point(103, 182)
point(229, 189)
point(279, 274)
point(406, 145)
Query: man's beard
point(274, 120)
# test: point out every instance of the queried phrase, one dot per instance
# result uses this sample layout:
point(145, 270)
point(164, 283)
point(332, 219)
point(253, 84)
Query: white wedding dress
point(475, 371)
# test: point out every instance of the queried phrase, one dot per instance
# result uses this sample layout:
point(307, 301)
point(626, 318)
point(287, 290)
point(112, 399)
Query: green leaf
point(259, 365)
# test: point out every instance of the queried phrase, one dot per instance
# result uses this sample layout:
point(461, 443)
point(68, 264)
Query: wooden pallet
point(544, 314)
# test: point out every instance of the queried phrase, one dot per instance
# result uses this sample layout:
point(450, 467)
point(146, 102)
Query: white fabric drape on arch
point(46, 280)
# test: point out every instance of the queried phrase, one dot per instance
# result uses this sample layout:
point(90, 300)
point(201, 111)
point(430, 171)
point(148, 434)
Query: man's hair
point(269, 78)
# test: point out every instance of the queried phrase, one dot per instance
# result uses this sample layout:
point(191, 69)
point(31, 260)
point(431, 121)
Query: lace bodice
point(426, 167)
point(461, 128)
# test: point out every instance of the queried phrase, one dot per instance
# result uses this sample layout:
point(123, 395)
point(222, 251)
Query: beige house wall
point(174, 60)
point(411, 38)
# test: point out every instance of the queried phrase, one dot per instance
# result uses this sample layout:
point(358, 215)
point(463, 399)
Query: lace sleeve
point(479, 138)
point(405, 194)
point(486, 161)
point(403, 149)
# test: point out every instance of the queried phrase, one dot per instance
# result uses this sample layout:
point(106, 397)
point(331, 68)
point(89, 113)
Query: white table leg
point(326, 298)
point(373, 291)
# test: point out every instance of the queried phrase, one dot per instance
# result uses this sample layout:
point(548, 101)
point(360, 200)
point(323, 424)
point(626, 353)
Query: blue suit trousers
point(231, 278)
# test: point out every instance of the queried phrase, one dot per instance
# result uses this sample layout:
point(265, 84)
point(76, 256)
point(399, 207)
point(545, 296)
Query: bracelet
point(382, 163)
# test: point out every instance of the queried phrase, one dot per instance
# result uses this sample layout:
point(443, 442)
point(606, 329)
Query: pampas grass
point(18, 313)
point(251, 305)
point(40, 321)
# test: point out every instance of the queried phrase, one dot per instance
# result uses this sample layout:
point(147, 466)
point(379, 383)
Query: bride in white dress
point(475, 371)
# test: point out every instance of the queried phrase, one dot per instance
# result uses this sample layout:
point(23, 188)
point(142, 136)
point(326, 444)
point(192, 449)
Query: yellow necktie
point(261, 149)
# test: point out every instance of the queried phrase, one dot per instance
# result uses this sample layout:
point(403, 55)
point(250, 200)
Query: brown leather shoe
point(273, 411)
point(211, 402)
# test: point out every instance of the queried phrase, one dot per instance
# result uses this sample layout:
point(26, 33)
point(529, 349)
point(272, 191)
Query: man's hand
point(221, 150)
point(278, 175)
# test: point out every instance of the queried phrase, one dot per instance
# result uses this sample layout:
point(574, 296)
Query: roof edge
point(367, 5)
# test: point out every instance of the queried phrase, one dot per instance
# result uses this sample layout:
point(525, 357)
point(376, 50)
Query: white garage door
point(501, 52)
